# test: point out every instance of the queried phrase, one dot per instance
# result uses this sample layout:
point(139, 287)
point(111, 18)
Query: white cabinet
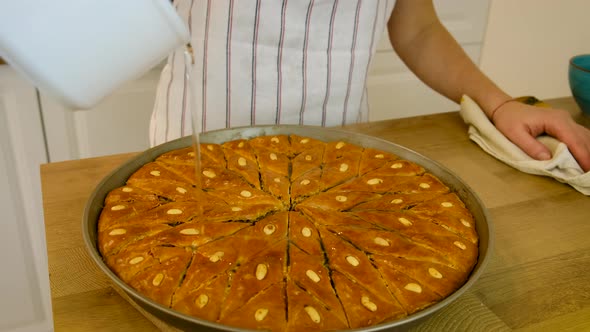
point(395, 92)
point(118, 124)
point(25, 304)
point(34, 129)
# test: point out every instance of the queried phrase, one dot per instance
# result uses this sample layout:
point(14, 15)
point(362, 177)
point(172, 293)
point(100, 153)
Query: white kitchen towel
point(562, 166)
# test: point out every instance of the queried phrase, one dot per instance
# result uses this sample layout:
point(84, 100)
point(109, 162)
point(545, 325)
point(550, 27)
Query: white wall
point(528, 44)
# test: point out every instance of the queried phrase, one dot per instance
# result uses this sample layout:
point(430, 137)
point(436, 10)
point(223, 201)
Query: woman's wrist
point(498, 107)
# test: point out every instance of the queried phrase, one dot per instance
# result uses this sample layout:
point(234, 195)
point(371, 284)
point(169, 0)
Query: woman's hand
point(429, 50)
point(522, 123)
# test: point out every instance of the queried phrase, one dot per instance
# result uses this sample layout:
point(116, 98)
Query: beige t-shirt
point(270, 62)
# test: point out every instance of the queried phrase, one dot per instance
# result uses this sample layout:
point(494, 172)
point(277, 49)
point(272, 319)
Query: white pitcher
point(81, 50)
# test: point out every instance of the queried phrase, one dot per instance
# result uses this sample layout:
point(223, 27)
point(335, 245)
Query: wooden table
point(538, 278)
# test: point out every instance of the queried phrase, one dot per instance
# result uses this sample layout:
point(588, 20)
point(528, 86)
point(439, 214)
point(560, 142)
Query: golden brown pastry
point(288, 233)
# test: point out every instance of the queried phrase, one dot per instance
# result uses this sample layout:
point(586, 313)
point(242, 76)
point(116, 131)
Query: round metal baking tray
point(179, 320)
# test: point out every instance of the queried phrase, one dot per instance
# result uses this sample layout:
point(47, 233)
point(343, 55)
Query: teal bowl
point(579, 80)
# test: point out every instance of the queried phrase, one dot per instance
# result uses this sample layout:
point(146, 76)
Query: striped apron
point(271, 62)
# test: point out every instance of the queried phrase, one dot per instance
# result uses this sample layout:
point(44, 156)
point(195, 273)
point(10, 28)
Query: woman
point(306, 62)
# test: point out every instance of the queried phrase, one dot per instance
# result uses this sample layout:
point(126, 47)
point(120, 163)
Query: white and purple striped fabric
point(271, 62)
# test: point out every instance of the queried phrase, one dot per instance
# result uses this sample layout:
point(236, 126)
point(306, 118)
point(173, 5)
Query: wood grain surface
point(538, 278)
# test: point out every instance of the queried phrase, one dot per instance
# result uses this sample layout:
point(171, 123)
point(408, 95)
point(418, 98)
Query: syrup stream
point(191, 105)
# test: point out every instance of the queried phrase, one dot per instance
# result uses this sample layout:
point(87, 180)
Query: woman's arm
point(428, 49)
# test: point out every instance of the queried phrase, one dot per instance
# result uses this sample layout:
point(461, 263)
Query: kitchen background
point(523, 45)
